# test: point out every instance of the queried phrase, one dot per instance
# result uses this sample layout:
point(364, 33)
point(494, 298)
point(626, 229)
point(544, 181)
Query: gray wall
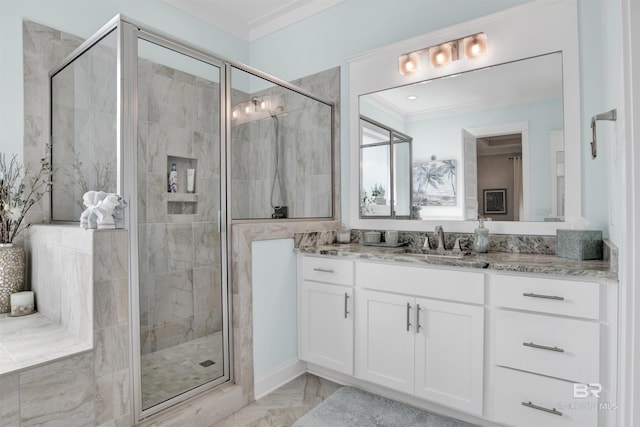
point(179, 254)
point(83, 120)
point(304, 156)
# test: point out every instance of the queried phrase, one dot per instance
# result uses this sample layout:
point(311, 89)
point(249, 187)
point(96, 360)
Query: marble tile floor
point(282, 407)
point(175, 370)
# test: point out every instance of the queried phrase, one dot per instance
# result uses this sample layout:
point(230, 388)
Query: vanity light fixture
point(258, 107)
point(443, 54)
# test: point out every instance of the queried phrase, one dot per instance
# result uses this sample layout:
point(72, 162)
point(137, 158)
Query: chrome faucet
point(440, 233)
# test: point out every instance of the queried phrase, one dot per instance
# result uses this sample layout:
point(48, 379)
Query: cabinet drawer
point(462, 286)
point(328, 270)
point(522, 399)
point(558, 347)
point(566, 297)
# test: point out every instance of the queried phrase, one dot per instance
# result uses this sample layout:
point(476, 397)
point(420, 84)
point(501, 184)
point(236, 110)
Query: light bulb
point(475, 45)
point(441, 55)
point(409, 63)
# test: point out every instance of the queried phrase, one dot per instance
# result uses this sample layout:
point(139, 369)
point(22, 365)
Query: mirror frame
point(513, 34)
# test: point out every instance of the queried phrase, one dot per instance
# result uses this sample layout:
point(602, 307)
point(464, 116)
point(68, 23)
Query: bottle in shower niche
point(173, 179)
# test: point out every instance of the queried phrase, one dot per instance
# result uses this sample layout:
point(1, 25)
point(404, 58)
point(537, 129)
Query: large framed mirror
point(497, 137)
point(475, 131)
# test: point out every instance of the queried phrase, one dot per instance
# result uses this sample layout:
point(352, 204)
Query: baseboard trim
point(278, 377)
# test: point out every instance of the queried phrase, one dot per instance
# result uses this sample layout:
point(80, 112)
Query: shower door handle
point(219, 221)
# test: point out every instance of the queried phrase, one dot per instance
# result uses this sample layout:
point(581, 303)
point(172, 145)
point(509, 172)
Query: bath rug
point(352, 407)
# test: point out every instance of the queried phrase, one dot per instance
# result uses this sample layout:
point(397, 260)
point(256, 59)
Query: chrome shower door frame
point(131, 32)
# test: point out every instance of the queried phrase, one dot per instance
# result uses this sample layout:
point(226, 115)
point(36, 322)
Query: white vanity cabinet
point(551, 351)
point(325, 312)
point(514, 348)
point(409, 341)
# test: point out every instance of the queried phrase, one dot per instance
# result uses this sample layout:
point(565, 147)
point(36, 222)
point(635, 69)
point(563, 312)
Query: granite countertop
point(500, 261)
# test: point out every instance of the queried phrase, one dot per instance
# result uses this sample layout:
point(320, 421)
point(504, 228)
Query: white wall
point(83, 18)
point(275, 320)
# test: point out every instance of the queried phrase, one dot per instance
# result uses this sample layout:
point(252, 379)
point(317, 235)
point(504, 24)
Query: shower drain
point(207, 363)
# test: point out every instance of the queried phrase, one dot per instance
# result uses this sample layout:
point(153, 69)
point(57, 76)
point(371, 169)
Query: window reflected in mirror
point(385, 177)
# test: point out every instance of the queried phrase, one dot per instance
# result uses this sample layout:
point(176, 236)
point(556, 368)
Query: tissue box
point(579, 244)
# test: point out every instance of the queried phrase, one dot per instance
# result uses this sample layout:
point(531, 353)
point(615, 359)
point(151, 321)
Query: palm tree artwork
point(434, 183)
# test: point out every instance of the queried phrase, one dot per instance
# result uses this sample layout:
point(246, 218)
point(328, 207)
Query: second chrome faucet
point(440, 236)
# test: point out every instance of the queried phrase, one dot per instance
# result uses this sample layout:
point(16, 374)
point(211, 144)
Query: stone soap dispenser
point(481, 238)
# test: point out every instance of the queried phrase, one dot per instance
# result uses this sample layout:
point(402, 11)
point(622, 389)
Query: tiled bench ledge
point(66, 264)
point(32, 340)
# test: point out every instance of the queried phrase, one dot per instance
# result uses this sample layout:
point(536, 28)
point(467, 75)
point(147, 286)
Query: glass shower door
point(180, 251)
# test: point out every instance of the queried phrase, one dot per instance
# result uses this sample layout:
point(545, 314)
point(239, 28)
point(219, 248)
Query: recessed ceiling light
point(412, 97)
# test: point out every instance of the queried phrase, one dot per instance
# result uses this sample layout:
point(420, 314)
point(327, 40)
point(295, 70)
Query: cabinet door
point(449, 354)
point(384, 346)
point(326, 326)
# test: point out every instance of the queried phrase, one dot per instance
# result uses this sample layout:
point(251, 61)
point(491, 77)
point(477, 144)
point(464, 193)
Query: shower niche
point(184, 201)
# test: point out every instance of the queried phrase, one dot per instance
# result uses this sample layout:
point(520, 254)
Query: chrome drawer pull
point(324, 270)
point(543, 347)
point(532, 295)
point(553, 411)
point(346, 309)
point(418, 326)
point(408, 316)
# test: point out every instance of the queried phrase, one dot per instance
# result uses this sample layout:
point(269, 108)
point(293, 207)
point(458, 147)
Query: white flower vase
point(12, 265)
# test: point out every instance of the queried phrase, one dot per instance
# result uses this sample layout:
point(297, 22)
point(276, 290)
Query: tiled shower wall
point(83, 119)
point(179, 254)
point(304, 164)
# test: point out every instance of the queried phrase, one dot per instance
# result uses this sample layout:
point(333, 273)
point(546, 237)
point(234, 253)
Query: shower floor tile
point(175, 370)
point(282, 407)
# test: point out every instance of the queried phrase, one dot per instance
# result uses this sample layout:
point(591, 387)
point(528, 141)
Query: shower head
point(279, 110)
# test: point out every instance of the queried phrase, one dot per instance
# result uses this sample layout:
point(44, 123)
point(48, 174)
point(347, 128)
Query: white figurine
point(104, 210)
point(87, 200)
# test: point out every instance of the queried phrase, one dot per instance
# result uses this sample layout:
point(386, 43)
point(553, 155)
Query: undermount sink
point(447, 254)
point(450, 254)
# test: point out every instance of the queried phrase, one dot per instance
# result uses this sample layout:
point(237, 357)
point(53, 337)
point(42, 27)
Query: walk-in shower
point(131, 110)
